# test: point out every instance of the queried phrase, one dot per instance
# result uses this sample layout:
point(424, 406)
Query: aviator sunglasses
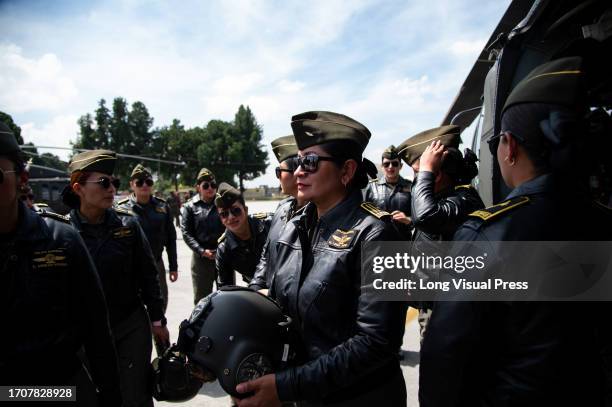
point(310, 162)
point(391, 163)
point(493, 142)
point(106, 182)
point(147, 181)
point(205, 185)
point(235, 211)
point(291, 167)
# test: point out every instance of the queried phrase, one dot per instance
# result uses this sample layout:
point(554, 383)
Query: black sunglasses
point(279, 170)
point(391, 163)
point(235, 210)
point(2, 172)
point(140, 182)
point(493, 142)
point(205, 185)
point(310, 162)
point(106, 182)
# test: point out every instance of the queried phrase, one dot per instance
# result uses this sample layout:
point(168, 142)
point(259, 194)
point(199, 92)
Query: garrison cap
point(95, 160)
point(557, 82)
point(411, 149)
point(205, 175)
point(8, 142)
point(316, 127)
point(226, 195)
point(390, 153)
point(284, 147)
point(140, 172)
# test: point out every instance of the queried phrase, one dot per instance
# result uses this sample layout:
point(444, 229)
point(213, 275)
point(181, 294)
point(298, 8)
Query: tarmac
point(211, 394)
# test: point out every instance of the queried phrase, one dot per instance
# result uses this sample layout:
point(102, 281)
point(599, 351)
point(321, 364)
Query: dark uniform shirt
point(156, 221)
point(124, 262)
point(350, 340)
point(391, 197)
point(285, 210)
point(236, 255)
point(200, 225)
point(51, 304)
point(514, 353)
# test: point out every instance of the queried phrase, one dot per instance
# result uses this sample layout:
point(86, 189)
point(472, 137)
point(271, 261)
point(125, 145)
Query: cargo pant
point(203, 275)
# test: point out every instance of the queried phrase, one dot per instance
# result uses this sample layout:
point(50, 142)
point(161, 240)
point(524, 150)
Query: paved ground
point(211, 394)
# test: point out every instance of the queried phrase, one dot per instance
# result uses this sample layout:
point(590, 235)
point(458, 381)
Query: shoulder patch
point(124, 200)
point(53, 215)
point(341, 239)
point(122, 211)
point(123, 231)
point(493, 211)
point(221, 238)
point(372, 209)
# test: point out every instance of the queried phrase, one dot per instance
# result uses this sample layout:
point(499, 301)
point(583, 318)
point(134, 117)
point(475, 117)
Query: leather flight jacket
point(124, 262)
point(200, 225)
point(348, 341)
point(392, 197)
point(156, 221)
point(52, 302)
point(285, 210)
point(236, 255)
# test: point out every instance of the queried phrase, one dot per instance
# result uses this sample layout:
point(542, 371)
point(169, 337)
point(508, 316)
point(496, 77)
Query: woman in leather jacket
point(348, 339)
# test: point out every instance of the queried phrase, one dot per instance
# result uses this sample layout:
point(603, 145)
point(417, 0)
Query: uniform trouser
point(424, 317)
point(202, 276)
point(133, 344)
point(160, 347)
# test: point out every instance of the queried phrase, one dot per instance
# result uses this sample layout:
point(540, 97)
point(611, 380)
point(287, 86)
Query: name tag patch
point(49, 258)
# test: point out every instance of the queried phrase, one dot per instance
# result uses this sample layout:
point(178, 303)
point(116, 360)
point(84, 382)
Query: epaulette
point(491, 212)
point(464, 186)
point(373, 180)
point(122, 211)
point(221, 238)
point(372, 209)
point(160, 199)
point(124, 200)
point(53, 215)
point(260, 215)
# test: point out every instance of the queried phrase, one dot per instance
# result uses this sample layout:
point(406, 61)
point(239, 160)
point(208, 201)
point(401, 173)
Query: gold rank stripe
point(492, 211)
point(373, 209)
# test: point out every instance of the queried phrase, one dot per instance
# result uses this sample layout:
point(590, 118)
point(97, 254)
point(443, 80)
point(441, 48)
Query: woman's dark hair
point(343, 151)
point(69, 197)
point(461, 168)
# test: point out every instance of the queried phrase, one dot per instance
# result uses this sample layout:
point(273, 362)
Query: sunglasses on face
point(493, 142)
point(235, 211)
point(205, 185)
point(106, 182)
point(279, 170)
point(310, 162)
point(26, 197)
point(394, 164)
point(147, 181)
point(2, 172)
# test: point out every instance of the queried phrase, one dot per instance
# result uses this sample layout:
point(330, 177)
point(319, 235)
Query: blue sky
point(393, 65)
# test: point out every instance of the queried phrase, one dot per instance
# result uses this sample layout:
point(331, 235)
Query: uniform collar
point(110, 218)
point(534, 186)
point(135, 202)
point(336, 215)
point(30, 226)
point(197, 199)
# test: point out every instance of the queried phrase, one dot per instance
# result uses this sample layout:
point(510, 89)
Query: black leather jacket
point(350, 340)
point(392, 197)
point(235, 255)
point(200, 225)
point(436, 216)
point(284, 212)
point(124, 262)
point(156, 221)
point(513, 354)
point(51, 304)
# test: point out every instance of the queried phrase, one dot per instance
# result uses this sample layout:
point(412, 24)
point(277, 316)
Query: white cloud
point(57, 133)
point(290, 86)
point(33, 84)
point(468, 48)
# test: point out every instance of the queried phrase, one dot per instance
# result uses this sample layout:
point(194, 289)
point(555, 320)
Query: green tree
point(181, 145)
point(214, 152)
point(103, 124)
point(8, 120)
point(121, 138)
point(87, 135)
point(246, 150)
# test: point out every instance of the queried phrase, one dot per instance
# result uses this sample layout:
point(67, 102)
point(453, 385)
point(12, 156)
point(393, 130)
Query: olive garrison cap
point(205, 175)
point(411, 149)
point(390, 153)
point(284, 147)
point(140, 172)
point(8, 142)
point(556, 82)
point(95, 161)
point(226, 195)
point(313, 128)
